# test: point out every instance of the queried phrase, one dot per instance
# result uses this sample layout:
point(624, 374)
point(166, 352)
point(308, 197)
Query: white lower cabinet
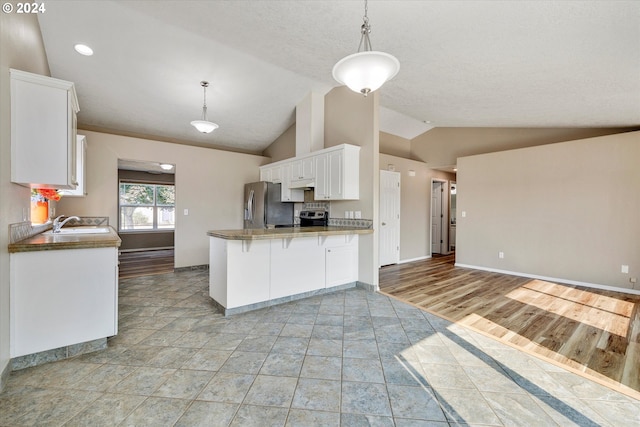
point(341, 260)
point(62, 297)
point(246, 272)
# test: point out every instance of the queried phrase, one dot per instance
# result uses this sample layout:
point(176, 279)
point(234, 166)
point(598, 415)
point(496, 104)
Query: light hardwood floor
point(592, 332)
point(145, 263)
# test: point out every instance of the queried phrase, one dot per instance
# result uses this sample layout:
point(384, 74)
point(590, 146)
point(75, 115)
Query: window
point(147, 206)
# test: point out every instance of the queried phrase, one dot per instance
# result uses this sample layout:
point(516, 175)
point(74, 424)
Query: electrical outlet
point(186, 212)
point(500, 255)
point(464, 214)
point(624, 269)
point(633, 280)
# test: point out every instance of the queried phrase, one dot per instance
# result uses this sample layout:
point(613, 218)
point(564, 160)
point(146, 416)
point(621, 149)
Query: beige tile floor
point(350, 358)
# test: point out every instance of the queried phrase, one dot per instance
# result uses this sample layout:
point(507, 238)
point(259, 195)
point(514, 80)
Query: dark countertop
point(285, 233)
point(51, 242)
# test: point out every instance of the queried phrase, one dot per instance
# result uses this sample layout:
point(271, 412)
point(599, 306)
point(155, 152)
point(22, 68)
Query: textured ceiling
point(463, 64)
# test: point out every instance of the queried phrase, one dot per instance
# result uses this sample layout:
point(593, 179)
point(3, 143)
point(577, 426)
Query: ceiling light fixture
point(166, 166)
point(204, 125)
point(366, 71)
point(83, 49)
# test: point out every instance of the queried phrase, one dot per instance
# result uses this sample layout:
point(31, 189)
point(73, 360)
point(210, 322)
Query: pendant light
point(204, 125)
point(366, 71)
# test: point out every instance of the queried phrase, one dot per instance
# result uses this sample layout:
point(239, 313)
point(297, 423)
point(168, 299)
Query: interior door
point(389, 217)
point(437, 188)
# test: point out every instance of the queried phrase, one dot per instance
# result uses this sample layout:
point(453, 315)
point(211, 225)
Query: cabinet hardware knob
point(384, 223)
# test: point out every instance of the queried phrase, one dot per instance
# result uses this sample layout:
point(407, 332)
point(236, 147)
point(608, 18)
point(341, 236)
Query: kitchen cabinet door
point(341, 260)
point(43, 131)
point(303, 168)
point(321, 191)
point(289, 194)
point(338, 174)
point(81, 169)
point(271, 174)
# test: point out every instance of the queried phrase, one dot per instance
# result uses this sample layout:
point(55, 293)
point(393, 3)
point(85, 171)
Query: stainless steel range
point(314, 218)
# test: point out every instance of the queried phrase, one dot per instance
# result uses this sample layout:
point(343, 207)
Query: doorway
point(439, 217)
point(146, 217)
point(389, 218)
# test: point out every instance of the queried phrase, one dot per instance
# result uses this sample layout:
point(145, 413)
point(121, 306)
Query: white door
point(389, 217)
point(437, 189)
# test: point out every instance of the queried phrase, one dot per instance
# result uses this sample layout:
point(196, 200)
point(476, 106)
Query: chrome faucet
point(57, 225)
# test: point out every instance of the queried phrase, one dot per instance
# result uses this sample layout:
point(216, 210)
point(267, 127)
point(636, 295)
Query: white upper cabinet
point(43, 131)
point(334, 171)
point(81, 169)
point(338, 174)
point(290, 194)
point(271, 173)
point(302, 169)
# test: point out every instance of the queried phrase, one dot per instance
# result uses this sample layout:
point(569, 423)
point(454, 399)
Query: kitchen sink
point(81, 230)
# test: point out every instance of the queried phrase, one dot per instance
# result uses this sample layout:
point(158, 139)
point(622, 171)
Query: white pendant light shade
point(204, 126)
point(365, 72)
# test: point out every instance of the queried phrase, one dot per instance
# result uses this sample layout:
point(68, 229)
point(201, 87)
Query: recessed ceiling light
point(83, 49)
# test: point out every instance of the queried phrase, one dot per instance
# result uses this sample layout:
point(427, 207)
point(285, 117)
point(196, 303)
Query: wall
point(415, 199)
point(210, 183)
point(353, 119)
point(567, 211)
point(395, 145)
point(440, 147)
point(21, 47)
point(284, 147)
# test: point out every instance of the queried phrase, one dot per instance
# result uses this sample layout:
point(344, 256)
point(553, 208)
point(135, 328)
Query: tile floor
point(350, 358)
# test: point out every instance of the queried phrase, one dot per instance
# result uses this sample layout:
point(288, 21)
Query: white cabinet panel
point(242, 277)
point(341, 260)
point(289, 194)
point(81, 169)
point(296, 266)
point(338, 174)
point(303, 168)
point(70, 298)
point(43, 131)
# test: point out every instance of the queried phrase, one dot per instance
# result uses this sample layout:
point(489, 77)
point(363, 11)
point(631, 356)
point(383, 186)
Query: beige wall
point(210, 183)
point(440, 147)
point(395, 145)
point(351, 118)
point(566, 210)
point(284, 147)
point(21, 47)
point(415, 197)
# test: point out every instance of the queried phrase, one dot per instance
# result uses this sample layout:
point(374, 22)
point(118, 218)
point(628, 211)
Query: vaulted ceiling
point(463, 63)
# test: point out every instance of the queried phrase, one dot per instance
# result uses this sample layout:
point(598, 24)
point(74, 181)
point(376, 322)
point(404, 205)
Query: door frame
point(444, 244)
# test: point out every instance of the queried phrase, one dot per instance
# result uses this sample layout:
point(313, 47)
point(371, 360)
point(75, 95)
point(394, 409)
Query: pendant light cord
point(365, 29)
point(204, 105)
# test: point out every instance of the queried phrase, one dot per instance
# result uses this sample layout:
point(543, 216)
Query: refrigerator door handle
point(250, 206)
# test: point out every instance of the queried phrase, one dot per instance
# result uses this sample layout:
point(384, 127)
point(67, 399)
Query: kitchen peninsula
point(256, 268)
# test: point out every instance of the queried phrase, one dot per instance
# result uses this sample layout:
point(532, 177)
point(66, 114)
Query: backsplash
point(23, 230)
point(338, 222)
point(348, 222)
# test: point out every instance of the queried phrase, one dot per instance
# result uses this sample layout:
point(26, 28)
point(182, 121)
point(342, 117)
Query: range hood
point(302, 183)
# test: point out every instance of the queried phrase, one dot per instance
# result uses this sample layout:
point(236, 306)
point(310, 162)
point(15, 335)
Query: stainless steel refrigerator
point(263, 206)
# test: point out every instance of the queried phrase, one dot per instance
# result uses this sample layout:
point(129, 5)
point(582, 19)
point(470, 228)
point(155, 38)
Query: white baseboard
point(554, 279)
point(404, 261)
